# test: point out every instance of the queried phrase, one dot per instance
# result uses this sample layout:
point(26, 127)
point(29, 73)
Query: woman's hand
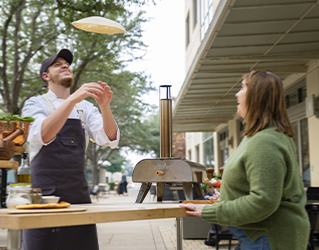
point(195, 210)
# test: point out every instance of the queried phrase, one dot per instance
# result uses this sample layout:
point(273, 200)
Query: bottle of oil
point(24, 170)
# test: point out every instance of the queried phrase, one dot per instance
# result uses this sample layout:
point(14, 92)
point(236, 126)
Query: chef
point(58, 140)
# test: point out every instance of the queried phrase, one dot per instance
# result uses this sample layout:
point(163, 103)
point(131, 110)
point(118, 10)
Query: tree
point(117, 161)
point(129, 167)
point(33, 30)
point(136, 135)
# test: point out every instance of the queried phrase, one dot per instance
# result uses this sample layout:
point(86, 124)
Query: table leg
point(179, 234)
point(14, 239)
point(3, 187)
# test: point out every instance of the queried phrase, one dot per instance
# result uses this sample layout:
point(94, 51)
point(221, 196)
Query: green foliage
point(112, 184)
point(128, 167)
point(11, 117)
point(116, 161)
point(33, 30)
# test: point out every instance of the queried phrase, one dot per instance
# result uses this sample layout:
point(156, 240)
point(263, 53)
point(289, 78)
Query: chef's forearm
point(55, 121)
point(109, 124)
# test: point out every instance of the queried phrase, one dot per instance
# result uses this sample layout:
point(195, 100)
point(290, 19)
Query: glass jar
point(36, 195)
point(18, 195)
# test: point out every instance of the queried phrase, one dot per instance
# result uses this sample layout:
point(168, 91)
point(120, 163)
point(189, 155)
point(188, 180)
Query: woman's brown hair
point(265, 102)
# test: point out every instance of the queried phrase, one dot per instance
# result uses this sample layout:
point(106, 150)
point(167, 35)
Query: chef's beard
point(67, 82)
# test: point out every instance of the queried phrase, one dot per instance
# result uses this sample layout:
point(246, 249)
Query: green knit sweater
point(262, 192)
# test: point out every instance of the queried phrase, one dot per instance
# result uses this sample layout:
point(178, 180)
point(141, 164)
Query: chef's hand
point(91, 89)
point(195, 210)
point(104, 98)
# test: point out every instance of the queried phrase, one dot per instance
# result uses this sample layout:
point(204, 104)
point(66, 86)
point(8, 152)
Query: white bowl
point(50, 199)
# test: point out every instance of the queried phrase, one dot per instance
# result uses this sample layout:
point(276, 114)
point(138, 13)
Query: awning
point(278, 36)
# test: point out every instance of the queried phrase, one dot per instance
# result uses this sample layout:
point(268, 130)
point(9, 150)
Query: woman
point(262, 194)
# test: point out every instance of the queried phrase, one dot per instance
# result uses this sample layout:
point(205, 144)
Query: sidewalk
point(146, 234)
point(137, 235)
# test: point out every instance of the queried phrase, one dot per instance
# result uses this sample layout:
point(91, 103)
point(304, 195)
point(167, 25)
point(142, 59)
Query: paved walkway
point(145, 234)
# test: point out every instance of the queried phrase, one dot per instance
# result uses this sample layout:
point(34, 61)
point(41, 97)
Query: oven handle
point(159, 173)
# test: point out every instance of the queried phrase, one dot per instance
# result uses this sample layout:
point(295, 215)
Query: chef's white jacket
point(38, 108)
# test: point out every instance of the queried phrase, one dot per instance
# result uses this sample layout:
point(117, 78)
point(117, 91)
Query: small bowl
point(50, 199)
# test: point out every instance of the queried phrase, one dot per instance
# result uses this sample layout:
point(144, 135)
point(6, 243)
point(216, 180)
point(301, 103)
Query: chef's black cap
point(64, 53)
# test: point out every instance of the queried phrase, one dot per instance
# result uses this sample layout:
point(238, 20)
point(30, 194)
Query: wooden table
point(95, 213)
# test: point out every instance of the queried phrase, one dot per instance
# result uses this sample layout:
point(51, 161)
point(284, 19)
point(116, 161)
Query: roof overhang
point(244, 35)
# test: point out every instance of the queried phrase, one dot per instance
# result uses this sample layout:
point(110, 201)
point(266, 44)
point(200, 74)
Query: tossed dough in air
point(100, 25)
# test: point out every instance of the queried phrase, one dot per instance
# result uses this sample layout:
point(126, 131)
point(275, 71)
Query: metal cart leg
point(179, 234)
point(14, 239)
point(145, 187)
point(3, 187)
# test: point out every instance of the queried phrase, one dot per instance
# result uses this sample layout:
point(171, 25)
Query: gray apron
point(58, 169)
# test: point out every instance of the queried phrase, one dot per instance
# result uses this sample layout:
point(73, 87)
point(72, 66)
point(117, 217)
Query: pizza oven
point(175, 172)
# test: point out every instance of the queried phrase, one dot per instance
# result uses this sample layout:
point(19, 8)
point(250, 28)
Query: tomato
point(218, 184)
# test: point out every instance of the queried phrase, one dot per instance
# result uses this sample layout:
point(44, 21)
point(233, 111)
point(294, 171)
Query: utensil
point(16, 131)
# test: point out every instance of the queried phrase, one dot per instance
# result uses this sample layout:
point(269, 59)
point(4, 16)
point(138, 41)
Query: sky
point(165, 58)
point(165, 36)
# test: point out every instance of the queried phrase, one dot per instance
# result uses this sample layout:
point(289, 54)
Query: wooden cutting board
point(41, 210)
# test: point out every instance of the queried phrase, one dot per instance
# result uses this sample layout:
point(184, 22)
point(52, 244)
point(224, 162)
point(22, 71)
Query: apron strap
point(50, 103)
point(81, 114)
point(51, 106)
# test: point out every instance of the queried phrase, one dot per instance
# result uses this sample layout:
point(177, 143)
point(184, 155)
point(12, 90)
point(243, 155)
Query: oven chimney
point(165, 121)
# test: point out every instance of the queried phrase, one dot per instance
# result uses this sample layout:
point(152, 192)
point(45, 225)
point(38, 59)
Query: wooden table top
point(95, 213)
point(9, 164)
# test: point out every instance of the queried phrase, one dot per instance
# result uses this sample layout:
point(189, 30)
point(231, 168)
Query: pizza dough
point(100, 25)
point(46, 205)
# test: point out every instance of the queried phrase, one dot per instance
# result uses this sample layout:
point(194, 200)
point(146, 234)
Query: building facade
point(228, 38)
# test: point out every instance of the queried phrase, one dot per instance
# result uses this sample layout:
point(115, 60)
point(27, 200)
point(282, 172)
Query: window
point(301, 141)
point(207, 135)
point(187, 31)
point(206, 15)
point(223, 137)
point(189, 155)
point(295, 102)
point(197, 153)
point(296, 97)
point(195, 9)
point(208, 145)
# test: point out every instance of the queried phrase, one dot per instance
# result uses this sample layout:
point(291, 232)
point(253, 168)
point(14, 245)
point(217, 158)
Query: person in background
point(122, 188)
point(58, 140)
point(262, 195)
point(124, 183)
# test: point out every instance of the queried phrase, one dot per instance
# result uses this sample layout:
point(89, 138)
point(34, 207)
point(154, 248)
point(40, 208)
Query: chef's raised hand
point(192, 209)
point(104, 99)
point(91, 89)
